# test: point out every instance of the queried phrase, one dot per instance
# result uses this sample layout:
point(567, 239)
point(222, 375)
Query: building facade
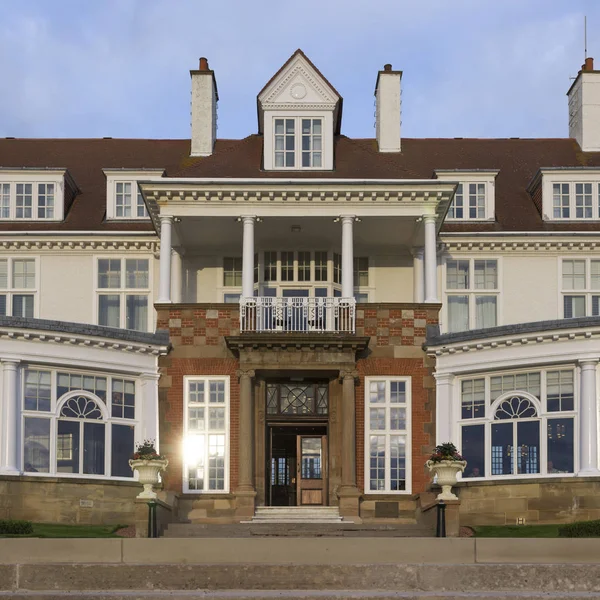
point(298, 317)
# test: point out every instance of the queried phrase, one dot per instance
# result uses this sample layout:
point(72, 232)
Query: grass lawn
point(517, 531)
point(57, 530)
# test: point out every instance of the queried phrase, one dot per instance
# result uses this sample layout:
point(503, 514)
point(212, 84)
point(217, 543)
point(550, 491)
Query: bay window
point(518, 424)
point(123, 291)
point(77, 423)
point(206, 434)
point(471, 294)
point(387, 435)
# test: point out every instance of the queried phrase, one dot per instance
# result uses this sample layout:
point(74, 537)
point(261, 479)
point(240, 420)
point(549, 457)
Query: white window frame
point(586, 292)
point(124, 291)
point(570, 177)
point(487, 178)
point(543, 416)
point(227, 432)
point(387, 432)
point(34, 178)
point(11, 291)
point(53, 415)
point(327, 127)
point(472, 292)
point(114, 176)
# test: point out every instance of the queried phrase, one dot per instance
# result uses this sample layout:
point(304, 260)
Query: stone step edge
point(286, 521)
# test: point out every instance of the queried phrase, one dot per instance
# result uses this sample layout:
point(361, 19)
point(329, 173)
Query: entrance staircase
point(296, 514)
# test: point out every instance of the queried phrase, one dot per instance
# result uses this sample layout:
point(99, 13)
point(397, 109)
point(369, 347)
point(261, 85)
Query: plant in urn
point(446, 463)
point(149, 464)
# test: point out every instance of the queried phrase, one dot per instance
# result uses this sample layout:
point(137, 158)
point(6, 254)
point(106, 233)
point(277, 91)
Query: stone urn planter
point(446, 472)
point(148, 472)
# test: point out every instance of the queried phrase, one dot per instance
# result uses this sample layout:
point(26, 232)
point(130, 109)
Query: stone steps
point(296, 514)
point(293, 529)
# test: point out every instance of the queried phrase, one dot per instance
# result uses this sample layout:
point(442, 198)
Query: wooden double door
point(297, 465)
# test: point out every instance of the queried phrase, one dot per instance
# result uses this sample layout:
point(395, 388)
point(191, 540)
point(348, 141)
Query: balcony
point(297, 315)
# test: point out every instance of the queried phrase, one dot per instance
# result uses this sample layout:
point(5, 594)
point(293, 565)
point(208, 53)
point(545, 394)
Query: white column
point(418, 276)
point(248, 258)
point(149, 408)
point(347, 257)
point(588, 419)
point(176, 275)
point(10, 419)
point(431, 294)
point(164, 289)
point(444, 420)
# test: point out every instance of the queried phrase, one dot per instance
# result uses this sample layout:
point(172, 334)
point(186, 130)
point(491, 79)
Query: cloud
point(121, 67)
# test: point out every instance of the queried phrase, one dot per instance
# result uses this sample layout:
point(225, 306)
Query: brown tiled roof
point(85, 159)
point(517, 160)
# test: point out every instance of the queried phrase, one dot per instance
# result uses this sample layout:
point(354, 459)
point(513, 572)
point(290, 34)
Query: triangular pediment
point(298, 85)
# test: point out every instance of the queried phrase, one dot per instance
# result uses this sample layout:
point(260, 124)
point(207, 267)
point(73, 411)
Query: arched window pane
point(515, 408)
point(81, 407)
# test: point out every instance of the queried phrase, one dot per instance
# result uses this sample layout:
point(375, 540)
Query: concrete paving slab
point(537, 550)
point(8, 577)
point(68, 550)
point(299, 551)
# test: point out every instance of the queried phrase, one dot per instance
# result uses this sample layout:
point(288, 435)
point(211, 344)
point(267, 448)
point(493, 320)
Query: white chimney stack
point(584, 108)
point(204, 110)
point(387, 109)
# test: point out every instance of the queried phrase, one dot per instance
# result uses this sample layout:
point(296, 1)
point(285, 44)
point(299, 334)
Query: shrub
point(580, 529)
point(14, 527)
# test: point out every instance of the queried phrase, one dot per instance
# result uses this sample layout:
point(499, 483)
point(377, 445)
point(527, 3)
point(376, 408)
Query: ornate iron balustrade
point(298, 315)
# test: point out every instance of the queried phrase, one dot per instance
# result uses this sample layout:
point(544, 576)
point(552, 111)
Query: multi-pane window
point(518, 423)
point(471, 294)
point(304, 266)
point(285, 143)
point(387, 435)
point(17, 287)
point(232, 271)
point(71, 426)
point(129, 202)
point(361, 271)
point(311, 142)
point(337, 268)
point(298, 151)
point(29, 200)
point(580, 287)
point(576, 200)
point(321, 273)
point(123, 287)
point(5, 200)
point(45, 209)
point(270, 270)
point(469, 201)
point(287, 266)
point(206, 444)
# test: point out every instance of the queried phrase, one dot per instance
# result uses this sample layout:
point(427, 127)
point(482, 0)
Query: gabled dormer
point(299, 112)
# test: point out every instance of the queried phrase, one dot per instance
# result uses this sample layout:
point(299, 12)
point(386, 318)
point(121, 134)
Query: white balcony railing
point(297, 315)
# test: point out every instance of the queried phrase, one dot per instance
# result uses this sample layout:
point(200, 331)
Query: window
point(287, 266)
point(71, 427)
point(270, 266)
point(321, 271)
point(304, 266)
point(126, 304)
point(31, 200)
point(580, 288)
point(471, 294)
point(470, 201)
point(576, 200)
point(516, 424)
point(125, 205)
point(337, 268)
point(232, 272)
point(18, 285)
point(387, 435)
point(361, 271)
point(292, 151)
point(206, 447)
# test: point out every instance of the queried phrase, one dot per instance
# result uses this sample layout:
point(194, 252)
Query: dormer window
point(567, 194)
point(34, 194)
point(293, 151)
point(474, 197)
point(575, 200)
point(123, 197)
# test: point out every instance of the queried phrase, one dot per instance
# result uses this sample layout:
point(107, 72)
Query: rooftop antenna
point(585, 35)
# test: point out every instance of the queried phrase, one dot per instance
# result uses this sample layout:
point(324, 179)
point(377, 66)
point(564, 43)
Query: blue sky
point(472, 68)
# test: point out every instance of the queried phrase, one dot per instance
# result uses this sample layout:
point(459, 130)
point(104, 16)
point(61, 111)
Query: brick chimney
point(204, 110)
point(584, 108)
point(388, 109)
